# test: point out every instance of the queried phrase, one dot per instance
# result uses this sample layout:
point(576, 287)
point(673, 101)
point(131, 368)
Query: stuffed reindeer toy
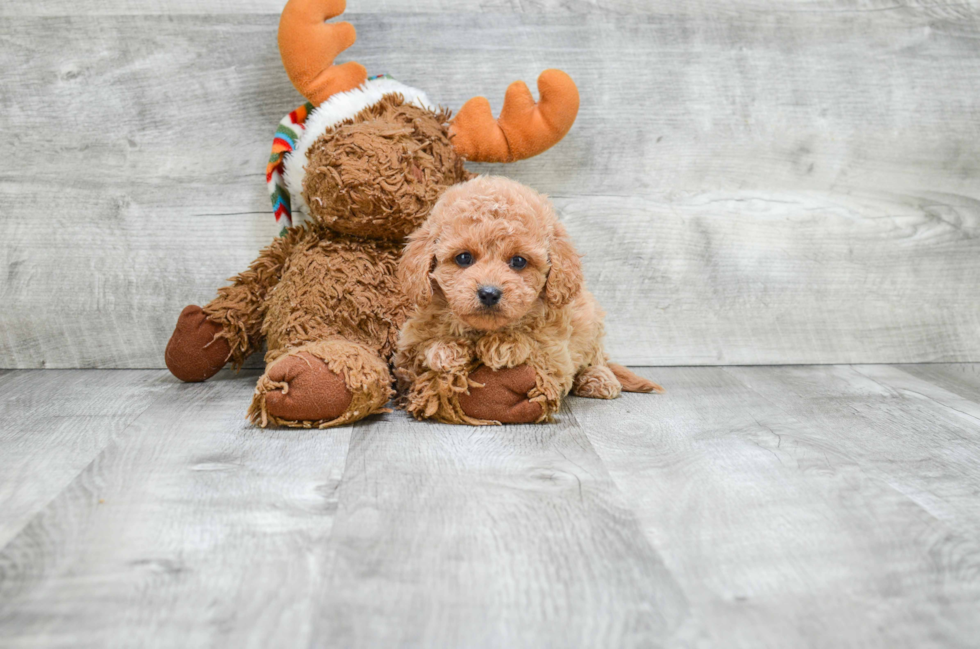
point(360, 167)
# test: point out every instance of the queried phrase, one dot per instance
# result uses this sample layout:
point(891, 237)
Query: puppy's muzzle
point(489, 295)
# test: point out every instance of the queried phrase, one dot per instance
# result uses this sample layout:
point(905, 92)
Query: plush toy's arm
point(240, 308)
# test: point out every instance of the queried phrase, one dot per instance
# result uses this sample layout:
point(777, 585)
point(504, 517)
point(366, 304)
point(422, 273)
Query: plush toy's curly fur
point(328, 291)
point(381, 173)
point(545, 318)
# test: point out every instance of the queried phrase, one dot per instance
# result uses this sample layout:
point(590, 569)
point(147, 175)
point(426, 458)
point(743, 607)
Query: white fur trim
point(327, 115)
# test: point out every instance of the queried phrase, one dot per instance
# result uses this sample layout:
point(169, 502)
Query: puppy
point(498, 283)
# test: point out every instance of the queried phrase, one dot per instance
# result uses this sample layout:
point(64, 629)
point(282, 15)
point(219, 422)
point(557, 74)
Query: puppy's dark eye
point(464, 259)
point(517, 262)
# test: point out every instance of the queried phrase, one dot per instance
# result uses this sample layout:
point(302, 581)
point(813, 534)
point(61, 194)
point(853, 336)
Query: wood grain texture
point(962, 378)
point(489, 537)
point(764, 277)
point(744, 191)
point(897, 433)
point(195, 529)
point(794, 507)
point(53, 424)
point(782, 501)
point(233, 7)
point(946, 8)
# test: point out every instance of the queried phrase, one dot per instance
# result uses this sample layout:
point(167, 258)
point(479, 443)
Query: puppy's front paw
point(448, 356)
point(548, 391)
point(503, 397)
point(496, 350)
point(432, 395)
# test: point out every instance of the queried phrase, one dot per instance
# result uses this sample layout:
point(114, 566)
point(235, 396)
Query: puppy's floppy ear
point(418, 260)
point(565, 277)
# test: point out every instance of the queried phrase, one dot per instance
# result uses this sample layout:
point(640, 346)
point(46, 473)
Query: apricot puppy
point(496, 282)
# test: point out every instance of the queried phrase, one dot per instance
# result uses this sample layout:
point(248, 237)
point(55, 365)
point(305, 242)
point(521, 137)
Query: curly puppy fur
point(328, 291)
point(544, 319)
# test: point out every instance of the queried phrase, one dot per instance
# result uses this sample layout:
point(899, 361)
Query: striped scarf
point(287, 135)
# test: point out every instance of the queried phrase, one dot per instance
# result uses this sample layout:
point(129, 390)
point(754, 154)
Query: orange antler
point(524, 129)
point(308, 46)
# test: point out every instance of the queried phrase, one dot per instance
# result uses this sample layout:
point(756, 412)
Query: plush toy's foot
point(321, 385)
point(195, 352)
point(305, 389)
point(503, 397)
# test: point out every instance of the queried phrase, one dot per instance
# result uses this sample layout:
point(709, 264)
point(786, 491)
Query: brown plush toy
point(364, 169)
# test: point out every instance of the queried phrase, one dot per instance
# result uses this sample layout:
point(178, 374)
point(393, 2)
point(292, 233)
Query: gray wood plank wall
point(751, 182)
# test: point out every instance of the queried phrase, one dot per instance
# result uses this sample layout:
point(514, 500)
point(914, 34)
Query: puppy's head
point(493, 249)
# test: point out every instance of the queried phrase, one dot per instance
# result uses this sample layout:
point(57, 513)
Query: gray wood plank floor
point(812, 506)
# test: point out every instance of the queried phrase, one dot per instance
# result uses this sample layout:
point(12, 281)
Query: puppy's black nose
point(489, 295)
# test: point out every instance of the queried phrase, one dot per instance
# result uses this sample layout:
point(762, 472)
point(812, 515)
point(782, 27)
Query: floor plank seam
point(921, 394)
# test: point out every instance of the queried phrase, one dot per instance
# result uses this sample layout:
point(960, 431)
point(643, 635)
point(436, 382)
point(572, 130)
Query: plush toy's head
point(379, 174)
point(375, 155)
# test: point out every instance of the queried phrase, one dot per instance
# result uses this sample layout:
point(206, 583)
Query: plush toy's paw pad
point(194, 353)
point(503, 396)
point(306, 389)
